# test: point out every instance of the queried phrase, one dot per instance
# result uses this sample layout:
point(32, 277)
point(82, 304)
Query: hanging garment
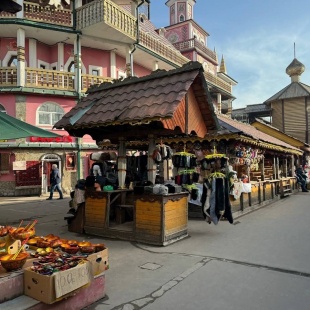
point(237, 190)
point(214, 207)
point(205, 200)
point(218, 204)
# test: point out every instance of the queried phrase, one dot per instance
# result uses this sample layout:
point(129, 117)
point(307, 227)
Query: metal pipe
point(137, 39)
point(78, 85)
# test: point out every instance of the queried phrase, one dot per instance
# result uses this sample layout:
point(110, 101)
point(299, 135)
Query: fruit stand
point(50, 269)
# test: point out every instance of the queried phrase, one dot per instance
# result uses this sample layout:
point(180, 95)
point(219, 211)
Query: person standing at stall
point(55, 180)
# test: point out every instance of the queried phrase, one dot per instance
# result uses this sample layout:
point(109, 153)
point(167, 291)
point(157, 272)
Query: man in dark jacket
point(301, 178)
point(55, 182)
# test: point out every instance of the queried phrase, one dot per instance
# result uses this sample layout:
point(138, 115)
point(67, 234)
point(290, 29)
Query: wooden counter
point(147, 218)
point(161, 219)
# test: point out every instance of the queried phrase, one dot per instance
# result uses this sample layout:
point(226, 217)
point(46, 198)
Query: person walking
point(55, 182)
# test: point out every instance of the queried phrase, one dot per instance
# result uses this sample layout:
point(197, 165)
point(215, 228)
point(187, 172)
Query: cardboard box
point(50, 289)
point(99, 262)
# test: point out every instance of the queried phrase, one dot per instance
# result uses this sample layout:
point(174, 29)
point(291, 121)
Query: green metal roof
point(13, 128)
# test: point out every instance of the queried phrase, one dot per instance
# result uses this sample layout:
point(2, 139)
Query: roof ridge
point(160, 73)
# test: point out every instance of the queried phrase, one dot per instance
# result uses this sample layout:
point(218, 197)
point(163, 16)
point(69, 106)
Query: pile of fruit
point(52, 243)
point(4, 230)
point(53, 253)
point(19, 233)
point(55, 262)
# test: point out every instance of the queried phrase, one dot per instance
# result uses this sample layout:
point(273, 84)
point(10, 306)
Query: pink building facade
point(51, 54)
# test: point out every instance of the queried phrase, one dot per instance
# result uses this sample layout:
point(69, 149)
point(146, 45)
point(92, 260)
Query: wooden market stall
point(258, 155)
point(143, 114)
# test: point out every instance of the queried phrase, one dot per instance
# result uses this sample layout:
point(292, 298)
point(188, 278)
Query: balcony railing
point(61, 80)
point(7, 15)
point(108, 12)
point(49, 79)
point(216, 81)
point(89, 80)
point(193, 43)
point(161, 49)
point(45, 14)
point(8, 76)
point(41, 78)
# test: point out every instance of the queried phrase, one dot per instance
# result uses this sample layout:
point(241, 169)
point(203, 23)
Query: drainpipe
point(137, 40)
point(78, 85)
point(74, 15)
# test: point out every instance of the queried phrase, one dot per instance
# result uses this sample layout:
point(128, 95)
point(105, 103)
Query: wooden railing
point(47, 14)
point(193, 43)
point(161, 49)
point(41, 78)
point(216, 81)
point(50, 79)
point(89, 80)
point(7, 15)
point(108, 12)
point(8, 76)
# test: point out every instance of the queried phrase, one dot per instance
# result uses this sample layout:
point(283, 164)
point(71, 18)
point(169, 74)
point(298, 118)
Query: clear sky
point(256, 38)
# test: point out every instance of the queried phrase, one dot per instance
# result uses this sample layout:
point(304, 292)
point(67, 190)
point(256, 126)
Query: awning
point(13, 128)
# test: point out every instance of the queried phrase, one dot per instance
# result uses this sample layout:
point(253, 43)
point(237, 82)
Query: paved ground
point(260, 262)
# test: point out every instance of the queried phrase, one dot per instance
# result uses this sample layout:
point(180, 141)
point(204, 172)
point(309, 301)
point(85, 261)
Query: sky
point(256, 38)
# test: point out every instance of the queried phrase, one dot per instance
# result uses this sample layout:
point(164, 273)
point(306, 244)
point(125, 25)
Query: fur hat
point(95, 156)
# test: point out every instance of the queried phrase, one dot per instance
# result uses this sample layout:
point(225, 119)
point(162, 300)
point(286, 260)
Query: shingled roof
point(293, 90)
point(250, 131)
point(156, 103)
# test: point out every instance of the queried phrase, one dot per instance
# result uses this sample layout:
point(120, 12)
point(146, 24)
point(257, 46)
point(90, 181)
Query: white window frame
point(43, 63)
point(54, 64)
point(50, 125)
point(7, 58)
point(67, 64)
point(2, 109)
point(91, 68)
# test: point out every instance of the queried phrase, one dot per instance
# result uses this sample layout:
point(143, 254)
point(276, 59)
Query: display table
point(146, 218)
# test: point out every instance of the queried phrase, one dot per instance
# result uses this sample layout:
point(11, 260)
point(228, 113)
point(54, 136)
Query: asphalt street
point(259, 262)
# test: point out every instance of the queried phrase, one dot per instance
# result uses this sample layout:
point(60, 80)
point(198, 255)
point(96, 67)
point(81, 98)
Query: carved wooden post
point(122, 163)
point(285, 167)
point(151, 165)
point(21, 67)
point(262, 169)
point(277, 176)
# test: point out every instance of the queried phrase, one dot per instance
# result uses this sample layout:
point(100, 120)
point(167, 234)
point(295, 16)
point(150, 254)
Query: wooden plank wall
point(95, 212)
point(176, 216)
point(148, 218)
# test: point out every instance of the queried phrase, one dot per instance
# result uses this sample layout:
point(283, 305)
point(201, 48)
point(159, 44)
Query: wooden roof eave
point(268, 145)
point(255, 142)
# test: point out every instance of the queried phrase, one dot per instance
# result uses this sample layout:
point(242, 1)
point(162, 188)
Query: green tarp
point(12, 128)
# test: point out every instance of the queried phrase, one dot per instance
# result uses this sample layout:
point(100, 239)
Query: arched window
point(12, 62)
point(182, 18)
point(71, 67)
point(49, 113)
point(2, 109)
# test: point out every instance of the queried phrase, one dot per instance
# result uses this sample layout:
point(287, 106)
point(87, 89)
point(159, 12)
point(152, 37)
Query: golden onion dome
point(295, 68)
